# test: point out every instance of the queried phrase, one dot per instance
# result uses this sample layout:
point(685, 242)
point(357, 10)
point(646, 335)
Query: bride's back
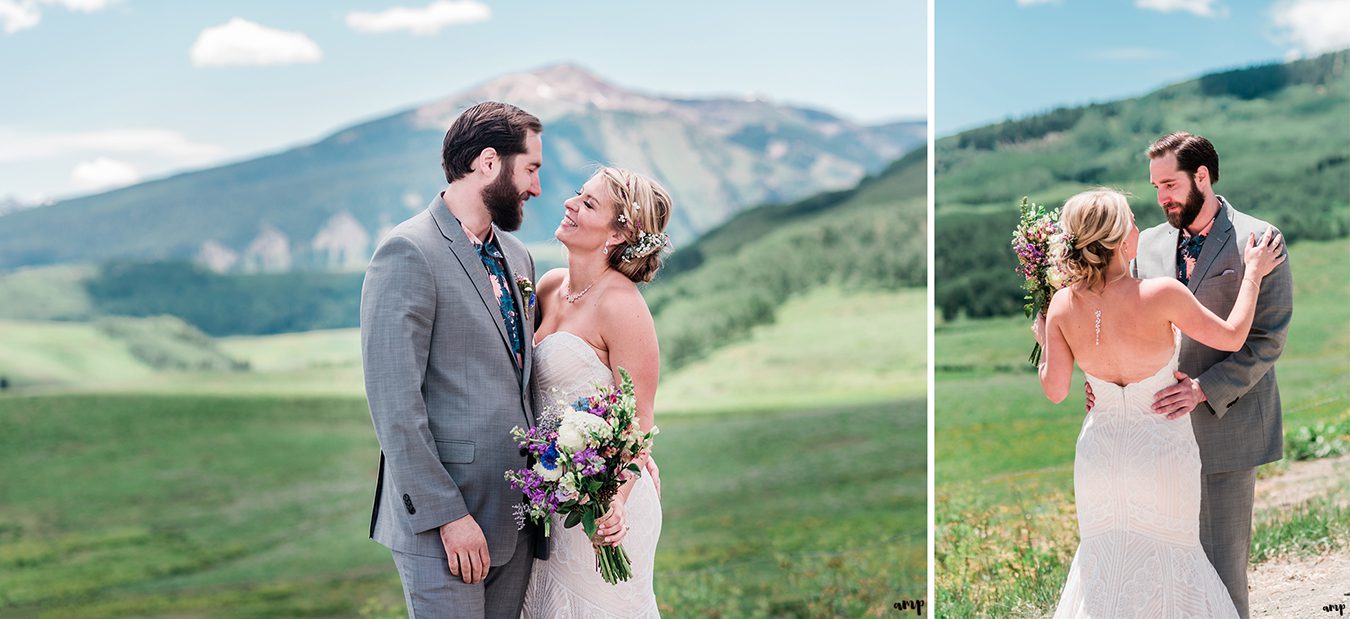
point(1131, 341)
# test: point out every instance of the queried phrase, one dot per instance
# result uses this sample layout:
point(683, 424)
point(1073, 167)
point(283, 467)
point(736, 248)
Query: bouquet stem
point(613, 564)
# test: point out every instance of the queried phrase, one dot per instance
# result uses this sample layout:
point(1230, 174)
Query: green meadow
point(1006, 528)
point(793, 474)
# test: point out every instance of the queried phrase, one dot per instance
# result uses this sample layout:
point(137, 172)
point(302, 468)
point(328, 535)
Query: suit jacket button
point(407, 502)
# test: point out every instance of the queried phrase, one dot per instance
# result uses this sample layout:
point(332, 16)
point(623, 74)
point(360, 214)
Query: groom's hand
point(466, 549)
point(1088, 396)
point(1179, 399)
point(655, 473)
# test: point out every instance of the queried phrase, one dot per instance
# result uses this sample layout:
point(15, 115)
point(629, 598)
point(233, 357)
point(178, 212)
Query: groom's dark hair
point(490, 124)
point(1192, 151)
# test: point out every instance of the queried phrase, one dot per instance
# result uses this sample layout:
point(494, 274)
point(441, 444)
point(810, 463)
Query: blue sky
point(110, 91)
point(996, 59)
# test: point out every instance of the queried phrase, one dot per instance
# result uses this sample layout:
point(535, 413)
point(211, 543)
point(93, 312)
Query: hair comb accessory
point(646, 245)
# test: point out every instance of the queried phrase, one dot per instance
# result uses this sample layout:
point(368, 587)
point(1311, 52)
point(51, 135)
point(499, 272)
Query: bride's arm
point(1197, 321)
point(1056, 368)
point(630, 336)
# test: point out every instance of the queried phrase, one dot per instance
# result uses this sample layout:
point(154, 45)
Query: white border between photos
point(932, 123)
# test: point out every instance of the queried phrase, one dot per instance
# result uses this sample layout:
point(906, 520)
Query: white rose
point(1054, 278)
point(570, 437)
point(547, 474)
point(578, 429)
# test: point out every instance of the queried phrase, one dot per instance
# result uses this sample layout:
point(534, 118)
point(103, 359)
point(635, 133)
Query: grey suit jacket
point(443, 389)
point(1240, 426)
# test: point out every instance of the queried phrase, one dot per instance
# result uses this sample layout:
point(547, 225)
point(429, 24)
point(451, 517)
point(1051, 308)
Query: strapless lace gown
point(567, 585)
point(1136, 479)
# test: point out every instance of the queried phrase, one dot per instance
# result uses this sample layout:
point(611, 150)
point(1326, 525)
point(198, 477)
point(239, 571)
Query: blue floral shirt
point(495, 263)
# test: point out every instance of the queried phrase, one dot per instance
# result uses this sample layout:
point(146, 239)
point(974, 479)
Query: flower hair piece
point(646, 245)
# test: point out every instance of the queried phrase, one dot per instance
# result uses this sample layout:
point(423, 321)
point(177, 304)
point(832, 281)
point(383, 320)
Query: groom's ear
point(1202, 172)
point(487, 161)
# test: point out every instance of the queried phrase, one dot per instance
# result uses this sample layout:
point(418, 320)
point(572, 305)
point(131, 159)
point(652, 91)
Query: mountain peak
point(548, 92)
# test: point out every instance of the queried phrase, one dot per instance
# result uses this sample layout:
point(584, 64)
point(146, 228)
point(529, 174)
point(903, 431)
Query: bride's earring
point(605, 250)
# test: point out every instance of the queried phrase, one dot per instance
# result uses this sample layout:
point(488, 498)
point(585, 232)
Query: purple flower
point(590, 462)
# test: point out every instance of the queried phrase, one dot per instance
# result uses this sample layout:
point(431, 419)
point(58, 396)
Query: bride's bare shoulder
point(550, 281)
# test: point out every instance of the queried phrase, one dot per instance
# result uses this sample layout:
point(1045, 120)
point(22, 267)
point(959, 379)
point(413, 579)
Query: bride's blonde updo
point(641, 213)
point(1093, 224)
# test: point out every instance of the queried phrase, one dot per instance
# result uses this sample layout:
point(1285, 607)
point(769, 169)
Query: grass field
point(186, 506)
point(246, 494)
point(1006, 528)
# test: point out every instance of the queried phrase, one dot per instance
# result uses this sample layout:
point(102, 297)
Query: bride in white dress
point(594, 321)
point(1136, 473)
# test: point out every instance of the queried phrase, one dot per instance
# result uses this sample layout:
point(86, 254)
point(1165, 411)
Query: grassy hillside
point(829, 346)
point(1004, 477)
point(40, 355)
point(1281, 132)
point(47, 293)
point(871, 238)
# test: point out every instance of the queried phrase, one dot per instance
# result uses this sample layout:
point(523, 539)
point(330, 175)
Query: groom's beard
point(504, 203)
point(1189, 210)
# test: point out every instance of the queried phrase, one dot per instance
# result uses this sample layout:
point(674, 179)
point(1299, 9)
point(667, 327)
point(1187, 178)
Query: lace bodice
point(566, 368)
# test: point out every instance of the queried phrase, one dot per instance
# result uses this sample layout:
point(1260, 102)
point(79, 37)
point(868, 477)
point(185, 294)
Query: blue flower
point(550, 457)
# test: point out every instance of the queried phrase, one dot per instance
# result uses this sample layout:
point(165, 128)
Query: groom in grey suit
point(445, 343)
point(1232, 398)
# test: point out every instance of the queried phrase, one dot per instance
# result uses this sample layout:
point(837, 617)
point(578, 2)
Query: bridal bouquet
point(1036, 231)
point(583, 452)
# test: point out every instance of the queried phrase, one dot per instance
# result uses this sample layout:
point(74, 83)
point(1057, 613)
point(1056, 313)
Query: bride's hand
point(612, 527)
point(1038, 329)
point(1263, 254)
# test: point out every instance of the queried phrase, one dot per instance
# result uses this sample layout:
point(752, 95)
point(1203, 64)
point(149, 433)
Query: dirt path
point(1302, 481)
point(1302, 586)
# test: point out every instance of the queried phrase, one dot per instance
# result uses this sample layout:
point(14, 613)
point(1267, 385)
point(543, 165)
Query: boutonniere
point(527, 294)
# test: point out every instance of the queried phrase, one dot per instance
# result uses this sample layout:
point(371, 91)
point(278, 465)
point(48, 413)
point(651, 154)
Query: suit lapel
point(472, 264)
point(1214, 244)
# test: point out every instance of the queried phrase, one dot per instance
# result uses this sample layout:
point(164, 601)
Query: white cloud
point(22, 146)
point(1035, 2)
point(1312, 27)
point(103, 173)
point(421, 21)
point(16, 16)
point(1203, 8)
point(1126, 54)
point(244, 43)
point(83, 6)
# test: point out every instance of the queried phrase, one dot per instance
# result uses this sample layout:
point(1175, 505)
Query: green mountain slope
point(1282, 131)
point(737, 276)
